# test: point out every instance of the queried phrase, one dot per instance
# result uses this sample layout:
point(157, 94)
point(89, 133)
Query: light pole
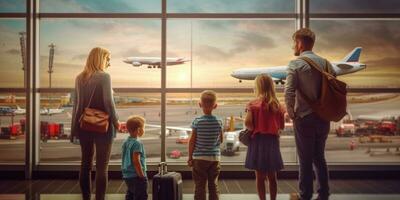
point(51, 59)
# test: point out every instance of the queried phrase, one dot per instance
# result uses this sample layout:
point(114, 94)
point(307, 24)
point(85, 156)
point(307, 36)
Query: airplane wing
point(175, 128)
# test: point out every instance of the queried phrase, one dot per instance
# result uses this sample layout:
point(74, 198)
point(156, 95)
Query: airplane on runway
point(347, 65)
point(230, 144)
point(153, 62)
point(51, 111)
point(6, 110)
point(19, 111)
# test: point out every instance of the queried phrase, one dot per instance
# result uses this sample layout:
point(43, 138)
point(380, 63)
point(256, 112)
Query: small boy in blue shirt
point(204, 148)
point(134, 160)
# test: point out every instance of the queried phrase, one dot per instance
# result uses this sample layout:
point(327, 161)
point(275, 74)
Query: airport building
point(164, 54)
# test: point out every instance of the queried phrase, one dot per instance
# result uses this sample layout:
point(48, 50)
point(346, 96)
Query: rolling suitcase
point(167, 185)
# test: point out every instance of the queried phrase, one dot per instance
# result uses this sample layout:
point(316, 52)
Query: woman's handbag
point(245, 136)
point(94, 120)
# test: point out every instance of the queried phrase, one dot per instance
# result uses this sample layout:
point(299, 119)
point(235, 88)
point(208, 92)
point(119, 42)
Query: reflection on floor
point(235, 197)
point(240, 188)
point(222, 197)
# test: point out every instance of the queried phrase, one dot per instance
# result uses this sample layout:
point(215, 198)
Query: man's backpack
point(331, 104)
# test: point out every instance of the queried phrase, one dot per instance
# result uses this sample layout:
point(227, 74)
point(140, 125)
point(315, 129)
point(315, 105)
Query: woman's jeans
point(101, 144)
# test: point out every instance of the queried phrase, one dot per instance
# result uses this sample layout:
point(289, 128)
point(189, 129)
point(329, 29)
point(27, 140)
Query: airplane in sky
point(347, 65)
point(153, 62)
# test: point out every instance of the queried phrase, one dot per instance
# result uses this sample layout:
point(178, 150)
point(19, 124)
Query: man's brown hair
point(134, 122)
point(306, 36)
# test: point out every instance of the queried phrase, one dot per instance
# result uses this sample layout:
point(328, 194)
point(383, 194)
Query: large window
point(215, 48)
point(355, 6)
point(10, 6)
point(380, 43)
point(100, 6)
point(12, 127)
point(231, 6)
point(12, 41)
point(205, 44)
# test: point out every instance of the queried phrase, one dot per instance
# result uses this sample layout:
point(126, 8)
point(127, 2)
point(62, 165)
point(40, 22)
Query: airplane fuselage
point(349, 64)
point(279, 73)
point(153, 61)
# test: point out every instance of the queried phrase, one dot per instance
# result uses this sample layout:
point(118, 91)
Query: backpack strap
point(315, 66)
point(310, 62)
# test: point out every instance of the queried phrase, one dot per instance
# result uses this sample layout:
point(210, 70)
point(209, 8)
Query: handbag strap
point(91, 97)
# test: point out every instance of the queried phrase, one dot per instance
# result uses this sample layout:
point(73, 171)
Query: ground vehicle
point(122, 127)
point(387, 127)
point(345, 130)
point(175, 154)
point(183, 137)
point(366, 127)
point(11, 132)
point(231, 142)
point(52, 131)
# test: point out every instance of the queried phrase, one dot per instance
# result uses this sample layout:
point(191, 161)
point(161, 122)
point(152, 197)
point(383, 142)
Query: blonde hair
point(96, 61)
point(134, 122)
point(265, 90)
point(208, 97)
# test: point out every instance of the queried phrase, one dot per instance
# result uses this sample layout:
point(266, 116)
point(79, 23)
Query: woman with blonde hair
point(93, 90)
point(264, 118)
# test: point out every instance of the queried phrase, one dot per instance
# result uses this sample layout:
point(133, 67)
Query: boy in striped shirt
point(204, 148)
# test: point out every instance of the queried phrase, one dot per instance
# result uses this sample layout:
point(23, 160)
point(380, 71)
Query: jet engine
point(136, 64)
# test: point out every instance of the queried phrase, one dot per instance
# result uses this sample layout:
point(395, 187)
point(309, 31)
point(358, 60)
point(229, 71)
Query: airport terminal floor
point(232, 189)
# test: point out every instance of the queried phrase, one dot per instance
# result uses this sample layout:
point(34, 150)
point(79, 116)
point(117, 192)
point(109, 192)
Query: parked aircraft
point(230, 144)
point(51, 111)
point(4, 110)
point(347, 65)
point(153, 62)
point(19, 111)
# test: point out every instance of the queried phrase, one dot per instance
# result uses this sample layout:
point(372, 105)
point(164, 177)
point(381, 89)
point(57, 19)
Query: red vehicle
point(15, 129)
point(387, 128)
point(54, 130)
point(51, 131)
point(123, 128)
point(345, 130)
point(366, 128)
point(10, 132)
point(175, 154)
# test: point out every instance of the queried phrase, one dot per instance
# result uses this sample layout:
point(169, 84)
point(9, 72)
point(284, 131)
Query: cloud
point(80, 57)
point(135, 52)
point(355, 6)
point(208, 52)
point(384, 62)
point(252, 41)
point(378, 38)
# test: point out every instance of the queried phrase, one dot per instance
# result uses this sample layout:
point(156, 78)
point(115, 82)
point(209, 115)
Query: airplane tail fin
point(353, 56)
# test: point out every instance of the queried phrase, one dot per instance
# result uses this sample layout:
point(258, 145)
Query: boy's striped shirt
point(207, 145)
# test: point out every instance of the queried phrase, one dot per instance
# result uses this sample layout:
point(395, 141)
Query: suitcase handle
point(162, 168)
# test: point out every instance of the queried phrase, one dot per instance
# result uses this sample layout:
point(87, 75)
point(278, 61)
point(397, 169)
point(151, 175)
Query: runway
point(181, 115)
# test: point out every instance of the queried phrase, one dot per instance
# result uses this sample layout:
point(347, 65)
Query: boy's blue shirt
point(130, 146)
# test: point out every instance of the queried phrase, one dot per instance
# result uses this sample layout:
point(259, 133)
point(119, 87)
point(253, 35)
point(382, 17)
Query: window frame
point(301, 16)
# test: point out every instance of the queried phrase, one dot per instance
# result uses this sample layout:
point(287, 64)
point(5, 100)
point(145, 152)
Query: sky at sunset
point(219, 46)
